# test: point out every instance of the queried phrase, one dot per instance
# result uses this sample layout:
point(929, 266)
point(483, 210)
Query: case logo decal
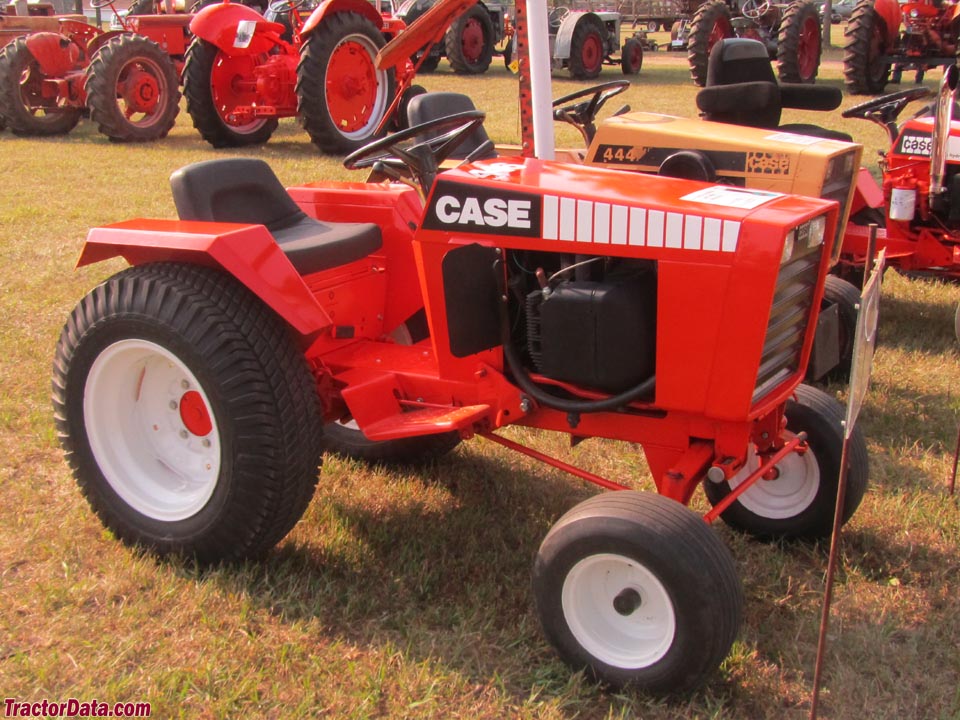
point(765, 163)
point(479, 209)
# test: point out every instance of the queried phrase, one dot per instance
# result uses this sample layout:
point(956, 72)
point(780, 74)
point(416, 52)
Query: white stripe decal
point(551, 211)
point(711, 233)
point(692, 231)
point(731, 232)
point(655, 228)
point(618, 229)
point(638, 226)
point(674, 230)
point(584, 221)
point(568, 217)
point(601, 223)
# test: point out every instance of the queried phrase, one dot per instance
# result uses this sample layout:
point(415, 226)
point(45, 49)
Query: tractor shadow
point(449, 580)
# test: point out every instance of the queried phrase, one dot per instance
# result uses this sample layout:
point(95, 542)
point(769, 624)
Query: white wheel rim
point(142, 412)
point(618, 611)
point(785, 496)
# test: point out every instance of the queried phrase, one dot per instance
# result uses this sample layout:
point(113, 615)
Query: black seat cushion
point(435, 105)
point(742, 89)
point(245, 190)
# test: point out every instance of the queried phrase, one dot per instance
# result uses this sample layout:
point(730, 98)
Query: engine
point(585, 320)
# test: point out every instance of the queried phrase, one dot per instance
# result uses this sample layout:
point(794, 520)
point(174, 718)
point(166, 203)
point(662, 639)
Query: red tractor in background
point(127, 79)
point(790, 32)
point(917, 205)
point(244, 71)
point(191, 390)
point(876, 45)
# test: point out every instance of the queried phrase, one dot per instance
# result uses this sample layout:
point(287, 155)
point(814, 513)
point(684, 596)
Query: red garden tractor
point(790, 32)
point(127, 79)
point(917, 205)
point(245, 70)
point(876, 44)
point(193, 391)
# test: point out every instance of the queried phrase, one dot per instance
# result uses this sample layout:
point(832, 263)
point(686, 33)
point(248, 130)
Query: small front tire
point(799, 503)
point(638, 590)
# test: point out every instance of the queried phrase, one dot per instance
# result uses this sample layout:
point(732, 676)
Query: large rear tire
point(637, 590)
point(132, 90)
point(711, 23)
point(469, 42)
point(27, 110)
point(864, 71)
point(799, 503)
point(798, 46)
point(209, 84)
point(343, 95)
point(587, 48)
point(187, 413)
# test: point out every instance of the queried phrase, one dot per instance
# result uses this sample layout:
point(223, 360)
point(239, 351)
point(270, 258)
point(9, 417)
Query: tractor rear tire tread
point(586, 27)
point(788, 44)
point(698, 38)
point(102, 84)
point(860, 75)
point(351, 443)
point(453, 42)
point(197, 71)
point(315, 57)
point(15, 59)
point(263, 393)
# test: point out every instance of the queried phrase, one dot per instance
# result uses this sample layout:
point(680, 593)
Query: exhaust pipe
point(942, 117)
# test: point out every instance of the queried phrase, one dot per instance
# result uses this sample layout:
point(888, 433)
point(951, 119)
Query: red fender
point(329, 7)
point(218, 24)
point(56, 54)
point(247, 252)
point(889, 11)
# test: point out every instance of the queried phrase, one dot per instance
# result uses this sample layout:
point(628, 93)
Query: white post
point(539, 44)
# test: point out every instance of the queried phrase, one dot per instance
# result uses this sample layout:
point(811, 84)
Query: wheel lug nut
point(173, 404)
point(184, 434)
point(205, 442)
point(184, 384)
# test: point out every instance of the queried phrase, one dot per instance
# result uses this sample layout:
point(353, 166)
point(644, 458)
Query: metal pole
point(831, 569)
point(956, 458)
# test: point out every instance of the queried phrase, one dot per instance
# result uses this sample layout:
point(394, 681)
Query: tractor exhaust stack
point(943, 115)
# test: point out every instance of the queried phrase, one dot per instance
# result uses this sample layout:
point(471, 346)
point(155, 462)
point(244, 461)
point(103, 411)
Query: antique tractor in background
point(127, 79)
point(917, 204)
point(583, 42)
point(790, 32)
point(244, 71)
point(876, 45)
point(472, 40)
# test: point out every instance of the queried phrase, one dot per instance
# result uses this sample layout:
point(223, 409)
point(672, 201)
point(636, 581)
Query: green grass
point(406, 594)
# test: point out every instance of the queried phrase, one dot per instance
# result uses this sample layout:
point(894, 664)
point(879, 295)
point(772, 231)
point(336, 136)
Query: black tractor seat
point(245, 190)
point(435, 105)
point(741, 89)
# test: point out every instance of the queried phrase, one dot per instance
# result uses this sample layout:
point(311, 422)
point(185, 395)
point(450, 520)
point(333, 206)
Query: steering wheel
point(97, 4)
point(419, 149)
point(557, 15)
point(887, 108)
point(582, 114)
point(279, 7)
point(755, 10)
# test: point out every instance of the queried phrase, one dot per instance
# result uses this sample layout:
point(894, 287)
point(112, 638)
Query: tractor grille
point(836, 186)
point(789, 320)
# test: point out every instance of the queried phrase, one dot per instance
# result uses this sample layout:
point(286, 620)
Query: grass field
point(406, 593)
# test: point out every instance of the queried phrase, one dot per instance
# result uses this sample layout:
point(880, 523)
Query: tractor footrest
point(425, 421)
